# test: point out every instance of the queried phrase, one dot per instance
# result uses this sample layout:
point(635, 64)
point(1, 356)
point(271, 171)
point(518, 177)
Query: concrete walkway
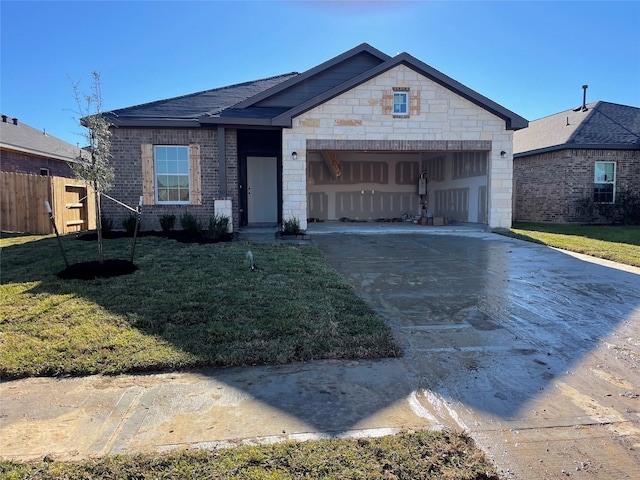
point(533, 351)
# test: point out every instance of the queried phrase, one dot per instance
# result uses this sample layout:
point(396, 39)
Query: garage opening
point(385, 185)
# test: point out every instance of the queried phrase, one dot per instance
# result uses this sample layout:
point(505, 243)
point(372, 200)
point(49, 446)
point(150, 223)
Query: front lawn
point(618, 243)
point(188, 305)
point(420, 455)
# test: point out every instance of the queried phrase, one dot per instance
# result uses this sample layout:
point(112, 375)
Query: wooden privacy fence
point(22, 207)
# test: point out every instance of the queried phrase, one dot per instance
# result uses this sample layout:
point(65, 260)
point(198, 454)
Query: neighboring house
point(565, 163)
point(34, 169)
point(24, 149)
point(350, 138)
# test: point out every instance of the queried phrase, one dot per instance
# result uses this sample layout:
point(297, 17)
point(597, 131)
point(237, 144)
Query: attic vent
point(15, 121)
point(584, 100)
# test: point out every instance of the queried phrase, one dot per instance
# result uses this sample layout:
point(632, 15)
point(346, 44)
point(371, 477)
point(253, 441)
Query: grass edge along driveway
point(616, 243)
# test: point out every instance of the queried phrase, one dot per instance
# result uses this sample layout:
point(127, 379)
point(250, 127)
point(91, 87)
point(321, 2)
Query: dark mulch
point(115, 267)
point(183, 236)
point(92, 270)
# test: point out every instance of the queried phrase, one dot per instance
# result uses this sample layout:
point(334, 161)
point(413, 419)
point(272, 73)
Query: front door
point(262, 190)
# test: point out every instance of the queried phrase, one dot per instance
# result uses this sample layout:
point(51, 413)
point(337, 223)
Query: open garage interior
point(387, 186)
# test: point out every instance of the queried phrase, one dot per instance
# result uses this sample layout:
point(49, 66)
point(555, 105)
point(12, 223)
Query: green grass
point(618, 243)
point(187, 306)
point(420, 455)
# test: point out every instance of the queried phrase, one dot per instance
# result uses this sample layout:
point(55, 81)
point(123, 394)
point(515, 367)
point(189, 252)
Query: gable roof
point(276, 101)
point(513, 121)
point(26, 139)
point(602, 125)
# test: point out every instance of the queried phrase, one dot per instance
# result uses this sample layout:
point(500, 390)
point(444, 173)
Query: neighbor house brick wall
point(359, 115)
point(20, 162)
point(549, 186)
point(127, 161)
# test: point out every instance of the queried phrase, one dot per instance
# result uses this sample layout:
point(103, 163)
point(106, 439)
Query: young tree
point(93, 162)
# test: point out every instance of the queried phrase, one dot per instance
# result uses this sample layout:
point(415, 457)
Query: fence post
point(53, 223)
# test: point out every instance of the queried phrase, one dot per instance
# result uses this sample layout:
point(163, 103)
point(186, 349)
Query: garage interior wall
point(384, 185)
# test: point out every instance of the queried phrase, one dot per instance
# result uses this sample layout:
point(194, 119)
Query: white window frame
point(405, 103)
point(156, 174)
point(598, 179)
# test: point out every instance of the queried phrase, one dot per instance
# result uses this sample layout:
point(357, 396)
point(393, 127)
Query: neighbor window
point(604, 182)
point(172, 173)
point(400, 103)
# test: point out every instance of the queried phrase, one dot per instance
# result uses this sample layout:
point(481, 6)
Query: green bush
point(107, 224)
point(291, 226)
point(190, 223)
point(218, 227)
point(129, 223)
point(167, 222)
point(628, 207)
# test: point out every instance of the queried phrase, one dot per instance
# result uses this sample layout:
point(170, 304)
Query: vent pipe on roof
point(15, 121)
point(584, 98)
point(4, 119)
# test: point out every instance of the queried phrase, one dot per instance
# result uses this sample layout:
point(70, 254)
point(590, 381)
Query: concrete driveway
point(533, 351)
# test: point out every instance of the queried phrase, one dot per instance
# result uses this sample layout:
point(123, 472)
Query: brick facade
point(443, 117)
point(20, 162)
point(548, 187)
point(127, 162)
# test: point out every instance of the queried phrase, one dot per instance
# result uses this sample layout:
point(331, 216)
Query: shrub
point(107, 224)
point(167, 222)
point(587, 209)
point(291, 226)
point(628, 207)
point(129, 223)
point(190, 223)
point(218, 227)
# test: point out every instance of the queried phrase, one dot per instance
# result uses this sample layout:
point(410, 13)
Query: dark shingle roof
point(275, 101)
point(23, 138)
point(191, 107)
point(603, 125)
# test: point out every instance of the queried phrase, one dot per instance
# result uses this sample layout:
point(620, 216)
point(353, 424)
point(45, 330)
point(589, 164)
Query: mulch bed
point(93, 270)
point(116, 267)
point(182, 236)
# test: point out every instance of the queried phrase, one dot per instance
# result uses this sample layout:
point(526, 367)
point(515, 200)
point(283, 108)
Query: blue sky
point(530, 57)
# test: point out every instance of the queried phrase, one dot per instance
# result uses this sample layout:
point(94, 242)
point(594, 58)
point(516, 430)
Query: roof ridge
point(363, 47)
point(235, 85)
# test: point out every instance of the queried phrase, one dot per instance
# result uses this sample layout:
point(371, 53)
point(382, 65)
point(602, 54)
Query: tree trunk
point(99, 224)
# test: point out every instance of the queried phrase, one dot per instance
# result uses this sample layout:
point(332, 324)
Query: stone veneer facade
point(355, 120)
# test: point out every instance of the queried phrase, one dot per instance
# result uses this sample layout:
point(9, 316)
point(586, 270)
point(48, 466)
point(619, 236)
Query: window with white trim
point(604, 182)
point(171, 173)
point(401, 103)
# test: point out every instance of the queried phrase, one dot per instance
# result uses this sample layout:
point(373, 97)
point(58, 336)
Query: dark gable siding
point(322, 82)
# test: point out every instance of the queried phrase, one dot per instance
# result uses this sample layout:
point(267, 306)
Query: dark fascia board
point(153, 122)
point(513, 121)
point(577, 146)
point(239, 121)
point(363, 47)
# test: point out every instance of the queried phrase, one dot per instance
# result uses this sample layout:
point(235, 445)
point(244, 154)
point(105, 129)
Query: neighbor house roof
point(15, 135)
point(601, 125)
point(277, 100)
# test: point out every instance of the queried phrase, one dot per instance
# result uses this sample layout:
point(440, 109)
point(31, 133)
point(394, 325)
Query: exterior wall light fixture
point(294, 155)
point(503, 154)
